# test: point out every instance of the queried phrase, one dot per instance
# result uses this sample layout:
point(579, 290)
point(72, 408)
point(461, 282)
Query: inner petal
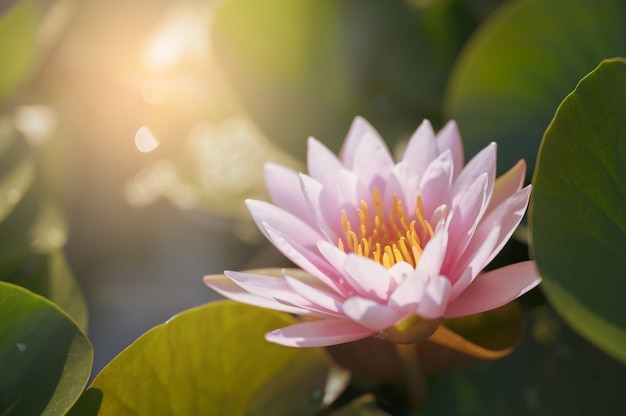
point(386, 234)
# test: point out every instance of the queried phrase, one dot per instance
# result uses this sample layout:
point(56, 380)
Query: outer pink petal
point(231, 290)
point(315, 295)
point(507, 185)
point(370, 314)
point(322, 164)
point(321, 333)
point(275, 288)
point(324, 205)
point(359, 128)
point(449, 138)
point(422, 148)
point(282, 221)
point(474, 264)
point(284, 188)
point(494, 289)
point(309, 260)
point(484, 161)
point(372, 162)
point(507, 217)
point(470, 206)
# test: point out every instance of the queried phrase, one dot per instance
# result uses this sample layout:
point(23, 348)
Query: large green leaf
point(521, 63)
point(45, 359)
point(49, 275)
point(17, 44)
point(210, 360)
point(578, 221)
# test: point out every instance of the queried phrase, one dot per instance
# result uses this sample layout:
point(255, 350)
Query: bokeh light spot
point(145, 140)
point(35, 122)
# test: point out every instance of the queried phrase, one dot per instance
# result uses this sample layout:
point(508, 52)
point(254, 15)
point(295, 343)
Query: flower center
point(386, 236)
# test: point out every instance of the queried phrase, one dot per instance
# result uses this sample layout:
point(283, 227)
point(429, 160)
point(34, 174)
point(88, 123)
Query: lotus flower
point(385, 249)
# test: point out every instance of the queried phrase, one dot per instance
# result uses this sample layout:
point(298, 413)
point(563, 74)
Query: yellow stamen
point(386, 236)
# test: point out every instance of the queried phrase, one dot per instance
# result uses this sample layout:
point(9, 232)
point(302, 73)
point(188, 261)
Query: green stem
point(414, 376)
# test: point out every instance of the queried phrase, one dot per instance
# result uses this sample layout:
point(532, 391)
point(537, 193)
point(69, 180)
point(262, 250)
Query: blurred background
point(146, 125)
point(131, 132)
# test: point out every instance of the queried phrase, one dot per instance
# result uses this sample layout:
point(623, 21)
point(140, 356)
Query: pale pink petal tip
point(320, 333)
point(494, 289)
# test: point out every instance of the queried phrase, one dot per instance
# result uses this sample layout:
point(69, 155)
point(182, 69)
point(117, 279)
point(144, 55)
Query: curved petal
point(320, 333)
point(308, 260)
point(322, 164)
point(507, 185)
point(449, 138)
point(475, 261)
point(507, 217)
point(275, 288)
point(495, 288)
point(368, 278)
point(372, 162)
point(409, 293)
point(358, 129)
point(484, 161)
point(422, 148)
point(315, 295)
point(283, 221)
point(369, 313)
point(435, 299)
point(403, 183)
point(434, 254)
point(283, 185)
point(467, 213)
point(323, 203)
point(229, 289)
point(435, 184)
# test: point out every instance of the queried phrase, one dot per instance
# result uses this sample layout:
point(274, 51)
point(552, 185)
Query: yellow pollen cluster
point(387, 237)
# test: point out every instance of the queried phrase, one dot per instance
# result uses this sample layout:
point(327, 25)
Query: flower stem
point(414, 376)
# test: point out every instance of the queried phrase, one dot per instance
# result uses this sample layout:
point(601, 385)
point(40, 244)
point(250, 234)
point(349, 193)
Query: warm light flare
point(35, 122)
point(183, 32)
point(145, 140)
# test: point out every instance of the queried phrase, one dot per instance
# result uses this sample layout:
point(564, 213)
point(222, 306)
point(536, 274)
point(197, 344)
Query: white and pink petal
point(494, 289)
point(319, 333)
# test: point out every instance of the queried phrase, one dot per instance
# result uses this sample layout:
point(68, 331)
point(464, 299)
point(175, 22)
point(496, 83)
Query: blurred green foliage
point(247, 82)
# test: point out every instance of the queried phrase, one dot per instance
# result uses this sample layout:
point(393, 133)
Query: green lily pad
point(17, 44)
point(521, 63)
point(49, 275)
point(210, 360)
point(577, 217)
point(45, 359)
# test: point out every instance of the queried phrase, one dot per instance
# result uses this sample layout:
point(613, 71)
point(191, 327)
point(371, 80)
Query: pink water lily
point(386, 249)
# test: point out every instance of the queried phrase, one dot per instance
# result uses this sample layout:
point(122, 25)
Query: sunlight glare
point(183, 32)
point(35, 122)
point(145, 140)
